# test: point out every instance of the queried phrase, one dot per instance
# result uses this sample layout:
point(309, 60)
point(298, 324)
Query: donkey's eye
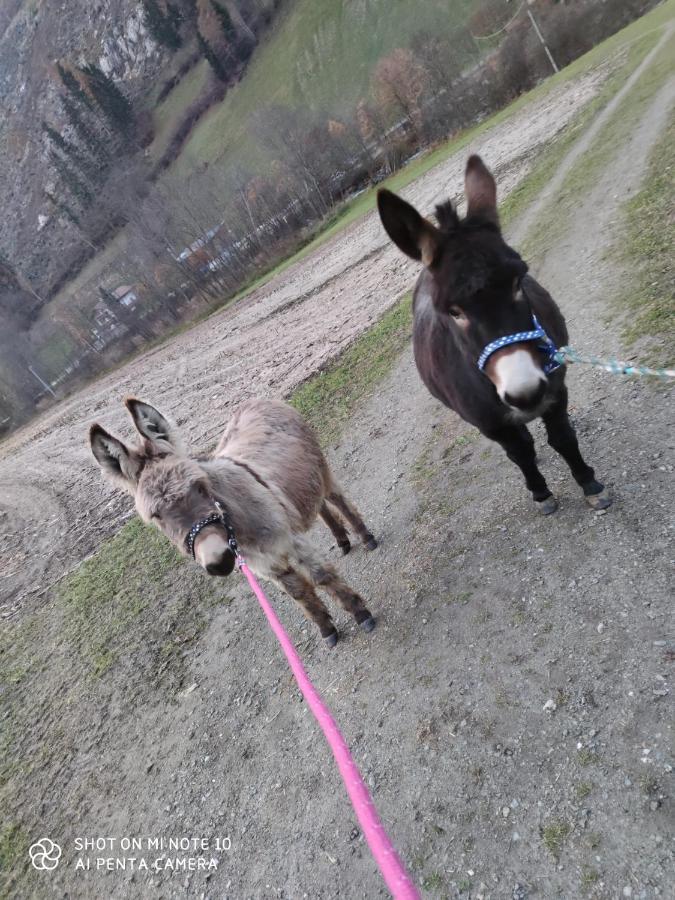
point(456, 312)
point(202, 490)
point(156, 515)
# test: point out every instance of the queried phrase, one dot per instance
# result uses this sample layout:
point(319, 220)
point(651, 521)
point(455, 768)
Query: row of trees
point(226, 33)
point(238, 220)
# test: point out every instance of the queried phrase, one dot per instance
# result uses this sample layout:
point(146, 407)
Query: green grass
point(104, 597)
point(14, 843)
point(550, 158)
point(330, 396)
point(583, 790)
point(589, 877)
point(136, 578)
point(636, 39)
point(647, 248)
point(586, 757)
point(320, 55)
point(554, 836)
point(560, 210)
point(433, 882)
point(168, 114)
point(364, 203)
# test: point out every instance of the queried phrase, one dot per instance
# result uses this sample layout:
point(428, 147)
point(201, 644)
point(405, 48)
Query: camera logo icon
point(45, 854)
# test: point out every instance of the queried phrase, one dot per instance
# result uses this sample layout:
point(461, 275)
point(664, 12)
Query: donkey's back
point(275, 444)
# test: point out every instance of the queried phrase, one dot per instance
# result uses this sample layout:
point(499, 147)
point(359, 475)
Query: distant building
point(125, 295)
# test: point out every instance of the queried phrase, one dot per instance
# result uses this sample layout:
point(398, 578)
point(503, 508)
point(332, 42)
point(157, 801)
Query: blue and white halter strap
point(545, 346)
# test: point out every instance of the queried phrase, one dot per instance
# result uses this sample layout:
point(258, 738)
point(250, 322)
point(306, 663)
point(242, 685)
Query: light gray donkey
point(265, 483)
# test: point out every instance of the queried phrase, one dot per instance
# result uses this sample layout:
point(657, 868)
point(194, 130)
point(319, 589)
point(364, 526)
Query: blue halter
point(545, 346)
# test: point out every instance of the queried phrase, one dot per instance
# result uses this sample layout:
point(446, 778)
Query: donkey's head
point(474, 282)
point(171, 490)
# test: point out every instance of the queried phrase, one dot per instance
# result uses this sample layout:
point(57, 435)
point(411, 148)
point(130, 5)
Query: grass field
point(167, 115)
point(648, 247)
point(217, 129)
point(320, 56)
point(556, 216)
point(637, 39)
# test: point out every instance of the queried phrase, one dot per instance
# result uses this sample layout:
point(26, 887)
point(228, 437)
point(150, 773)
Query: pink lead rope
point(393, 871)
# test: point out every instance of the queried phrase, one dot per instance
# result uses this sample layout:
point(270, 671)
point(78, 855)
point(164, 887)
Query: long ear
point(480, 190)
point(416, 236)
point(115, 459)
point(151, 423)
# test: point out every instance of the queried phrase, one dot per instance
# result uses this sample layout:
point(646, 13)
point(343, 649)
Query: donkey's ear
point(114, 458)
point(416, 236)
point(480, 190)
point(151, 423)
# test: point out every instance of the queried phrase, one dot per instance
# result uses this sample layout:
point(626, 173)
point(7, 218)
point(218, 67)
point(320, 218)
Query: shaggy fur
point(474, 289)
point(270, 475)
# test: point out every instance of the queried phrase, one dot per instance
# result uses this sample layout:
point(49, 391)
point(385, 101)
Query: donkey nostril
point(526, 400)
point(222, 566)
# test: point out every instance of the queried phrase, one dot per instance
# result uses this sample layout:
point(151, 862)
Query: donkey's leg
point(562, 437)
point(338, 529)
point(519, 447)
point(324, 575)
point(302, 590)
point(352, 515)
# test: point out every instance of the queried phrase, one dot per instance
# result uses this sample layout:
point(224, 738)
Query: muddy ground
point(486, 612)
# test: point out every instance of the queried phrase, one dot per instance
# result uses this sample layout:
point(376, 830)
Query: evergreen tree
point(226, 23)
point(71, 84)
point(86, 166)
point(87, 136)
point(164, 27)
point(71, 179)
point(212, 58)
point(110, 99)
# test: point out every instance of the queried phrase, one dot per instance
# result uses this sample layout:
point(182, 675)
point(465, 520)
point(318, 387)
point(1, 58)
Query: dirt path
point(586, 141)
point(265, 345)
point(486, 612)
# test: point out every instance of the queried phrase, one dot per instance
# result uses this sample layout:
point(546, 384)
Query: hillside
point(33, 35)
point(146, 182)
point(320, 57)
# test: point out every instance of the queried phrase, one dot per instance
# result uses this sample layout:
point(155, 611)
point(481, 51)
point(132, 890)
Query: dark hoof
point(368, 624)
point(547, 506)
point(598, 501)
point(330, 640)
point(345, 547)
point(371, 543)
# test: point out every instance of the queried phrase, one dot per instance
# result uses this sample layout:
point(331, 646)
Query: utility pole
point(541, 36)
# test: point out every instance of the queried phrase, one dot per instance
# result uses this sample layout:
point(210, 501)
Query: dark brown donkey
point(265, 483)
point(485, 332)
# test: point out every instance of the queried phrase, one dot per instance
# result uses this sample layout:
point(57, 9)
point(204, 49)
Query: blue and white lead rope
point(615, 366)
point(556, 357)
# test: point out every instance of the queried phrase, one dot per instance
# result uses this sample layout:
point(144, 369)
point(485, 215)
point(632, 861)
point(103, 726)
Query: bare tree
point(399, 83)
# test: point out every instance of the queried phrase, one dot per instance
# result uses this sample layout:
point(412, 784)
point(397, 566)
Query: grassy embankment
point(646, 242)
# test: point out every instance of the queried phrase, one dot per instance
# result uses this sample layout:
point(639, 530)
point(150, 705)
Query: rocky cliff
point(34, 35)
